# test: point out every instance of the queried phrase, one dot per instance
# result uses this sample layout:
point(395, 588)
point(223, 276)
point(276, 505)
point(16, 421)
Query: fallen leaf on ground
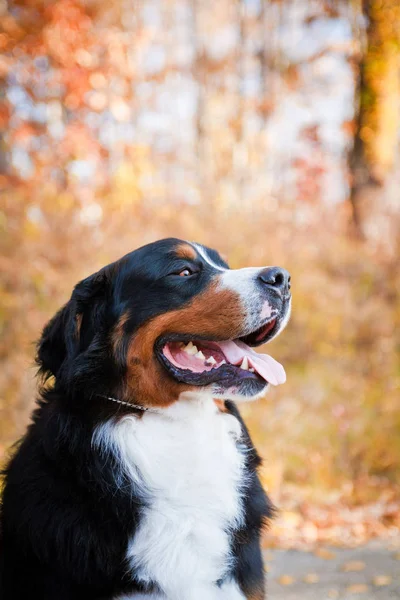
point(286, 580)
point(353, 565)
point(357, 588)
point(381, 580)
point(311, 578)
point(333, 594)
point(325, 554)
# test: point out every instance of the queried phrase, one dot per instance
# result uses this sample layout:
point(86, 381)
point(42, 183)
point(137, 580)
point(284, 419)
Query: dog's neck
point(131, 405)
point(189, 398)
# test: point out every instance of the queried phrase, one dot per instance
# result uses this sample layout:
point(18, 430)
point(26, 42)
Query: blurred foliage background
point(267, 129)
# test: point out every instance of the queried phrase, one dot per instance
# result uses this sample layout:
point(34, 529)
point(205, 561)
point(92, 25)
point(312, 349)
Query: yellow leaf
point(381, 580)
point(286, 580)
point(353, 565)
point(333, 594)
point(357, 588)
point(311, 578)
point(325, 554)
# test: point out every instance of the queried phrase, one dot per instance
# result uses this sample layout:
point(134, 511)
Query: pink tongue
point(263, 364)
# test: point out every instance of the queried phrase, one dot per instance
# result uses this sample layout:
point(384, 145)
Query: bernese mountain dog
point(137, 478)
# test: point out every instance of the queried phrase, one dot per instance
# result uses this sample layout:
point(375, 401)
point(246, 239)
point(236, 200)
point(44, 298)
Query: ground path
point(368, 573)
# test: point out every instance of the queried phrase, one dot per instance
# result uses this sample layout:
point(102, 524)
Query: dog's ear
point(71, 330)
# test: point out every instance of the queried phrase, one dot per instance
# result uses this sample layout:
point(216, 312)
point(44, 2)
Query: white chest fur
point(190, 465)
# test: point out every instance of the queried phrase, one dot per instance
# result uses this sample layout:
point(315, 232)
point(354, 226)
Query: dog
point(137, 478)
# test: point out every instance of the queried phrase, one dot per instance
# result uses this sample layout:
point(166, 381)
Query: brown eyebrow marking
point(186, 251)
point(118, 332)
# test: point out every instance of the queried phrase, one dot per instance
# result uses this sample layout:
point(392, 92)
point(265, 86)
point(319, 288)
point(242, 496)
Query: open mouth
point(229, 362)
point(261, 335)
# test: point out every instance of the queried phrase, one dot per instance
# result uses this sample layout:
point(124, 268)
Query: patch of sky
point(18, 96)
point(91, 213)
point(21, 162)
point(251, 84)
point(151, 14)
point(56, 130)
point(222, 44)
point(155, 59)
point(83, 170)
point(253, 7)
point(42, 63)
point(39, 112)
point(34, 214)
point(302, 43)
point(93, 119)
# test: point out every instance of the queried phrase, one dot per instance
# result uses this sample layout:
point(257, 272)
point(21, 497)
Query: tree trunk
point(377, 98)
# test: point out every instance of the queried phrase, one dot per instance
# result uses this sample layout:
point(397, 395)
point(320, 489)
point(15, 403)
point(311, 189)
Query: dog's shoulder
point(254, 460)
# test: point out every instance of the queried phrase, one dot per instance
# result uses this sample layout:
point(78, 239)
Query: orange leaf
point(381, 580)
point(325, 554)
point(353, 565)
point(286, 580)
point(357, 588)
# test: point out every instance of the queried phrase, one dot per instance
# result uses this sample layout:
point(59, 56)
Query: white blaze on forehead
point(242, 281)
point(238, 280)
point(204, 255)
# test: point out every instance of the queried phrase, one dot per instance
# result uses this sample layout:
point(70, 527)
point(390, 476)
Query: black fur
point(65, 524)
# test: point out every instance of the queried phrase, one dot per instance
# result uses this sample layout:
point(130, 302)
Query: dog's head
point(168, 318)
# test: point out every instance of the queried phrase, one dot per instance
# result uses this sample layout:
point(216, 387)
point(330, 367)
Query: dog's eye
point(185, 273)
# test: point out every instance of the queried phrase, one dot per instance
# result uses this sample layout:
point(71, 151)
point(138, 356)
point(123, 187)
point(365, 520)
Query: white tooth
point(245, 364)
point(251, 370)
point(200, 355)
point(191, 348)
point(211, 360)
point(223, 362)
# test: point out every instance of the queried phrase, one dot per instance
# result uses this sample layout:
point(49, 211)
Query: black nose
point(276, 278)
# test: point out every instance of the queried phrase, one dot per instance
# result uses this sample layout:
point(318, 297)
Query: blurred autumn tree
point(231, 123)
point(376, 142)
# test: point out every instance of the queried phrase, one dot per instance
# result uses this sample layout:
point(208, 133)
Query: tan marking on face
point(214, 314)
point(185, 251)
point(220, 404)
point(118, 331)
